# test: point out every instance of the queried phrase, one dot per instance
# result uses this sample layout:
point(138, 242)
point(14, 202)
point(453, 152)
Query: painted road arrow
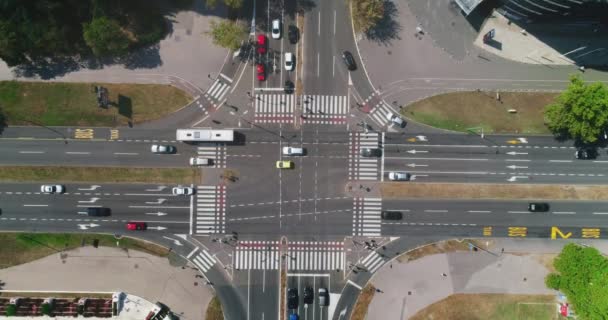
point(516, 167)
point(421, 138)
point(514, 178)
point(513, 153)
point(175, 241)
point(413, 165)
point(157, 228)
point(93, 187)
point(157, 213)
point(87, 226)
point(523, 140)
point(159, 201)
point(93, 200)
point(159, 188)
point(414, 151)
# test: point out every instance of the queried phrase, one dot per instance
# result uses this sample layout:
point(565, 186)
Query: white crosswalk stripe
point(361, 168)
point(372, 262)
point(274, 108)
point(204, 261)
point(216, 153)
point(218, 89)
point(379, 113)
point(366, 216)
point(210, 210)
point(319, 109)
point(256, 255)
point(312, 255)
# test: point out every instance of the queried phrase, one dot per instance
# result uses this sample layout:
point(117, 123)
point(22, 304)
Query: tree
point(234, 4)
point(228, 34)
point(580, 112)
point(582, 275)
point(105, 37)
point(367, 13)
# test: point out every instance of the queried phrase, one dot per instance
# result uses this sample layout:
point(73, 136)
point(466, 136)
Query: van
point(98, 212)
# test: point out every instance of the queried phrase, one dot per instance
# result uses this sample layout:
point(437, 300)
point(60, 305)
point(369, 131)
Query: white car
point(166, 149)
point(290, 151)
point(289, 61)
point(276, 29)
point(398, 176)
point(183, 191)
point(395, 119)
point(54, 188)
point(200, 162)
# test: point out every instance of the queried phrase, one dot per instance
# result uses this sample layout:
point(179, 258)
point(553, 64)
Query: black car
point(293, 34)
point(371, 152)
point(289, 86)
point(538, 207)
point(349, 60)
point(586, 153)
point(309, 295)
point(99, 212)
point(292, 298)
point(391, 215)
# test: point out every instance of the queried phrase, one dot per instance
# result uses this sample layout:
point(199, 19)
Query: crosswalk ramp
point(210, 209)
point(366, 217)
point(380, 112)
point(217, 153)
point(321, 109)
point(372, 262)
point(274, 108)
point(204, 261)
point(362, 168)
point(256, 255)
point(218, 89)
point(315, 255)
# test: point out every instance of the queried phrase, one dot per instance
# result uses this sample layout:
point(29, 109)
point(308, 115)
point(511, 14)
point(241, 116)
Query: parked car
point(276, 29)
point(262, 43)
point(289, 86)
point(323, 297)
point(292, 298)
point(137, 225)
point(261, 72)
point(162, 149)
point(395, 119)
point(309, 295)
point(349, 60)
point(200, 162)
point(99, 212)
point(538, 207)
point(371, 152)
point(293, 34)
point(291, 151)
point(586, 153)
point(52, 188)
point(285, 164)
point(289, 61)
point(398, 176)
point(183, 191)
point(391, 215)
point(294, 316)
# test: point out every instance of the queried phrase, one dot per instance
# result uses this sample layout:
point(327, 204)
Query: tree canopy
point(367, 13)
point(580, 112)
point(228, 34)
point(105, 37)
point(582, 275)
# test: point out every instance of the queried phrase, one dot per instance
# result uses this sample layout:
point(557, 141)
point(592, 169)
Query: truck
point(204, 135)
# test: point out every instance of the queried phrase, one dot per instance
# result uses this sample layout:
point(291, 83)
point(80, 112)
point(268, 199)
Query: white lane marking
point(159, 207)
point(354, 284)
point(518, 160)
point(563, 212)
point(442, 159)
point(518, 211)
point(479, 211)
point(31, 152)
point(560, 160)
point(126, 153)
point(600, 213)
point(77, 152)
point(433, 211)
point(35, 205)
point(600, 161)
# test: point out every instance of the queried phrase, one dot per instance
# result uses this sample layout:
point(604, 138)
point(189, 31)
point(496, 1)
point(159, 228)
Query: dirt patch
point(546, 260)
point(490, 306)
point(363, 301)
point(440, 247)
point(283, 294)
point(214, 310)
point(395, 190)
point(461, 110)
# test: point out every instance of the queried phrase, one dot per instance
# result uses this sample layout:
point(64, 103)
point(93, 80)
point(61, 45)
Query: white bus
point(204, 135)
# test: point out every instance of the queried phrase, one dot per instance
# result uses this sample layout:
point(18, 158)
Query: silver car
point(398, 176)
point(323, 297)
point(52, 188)
point(164, 149)
point(290, 151)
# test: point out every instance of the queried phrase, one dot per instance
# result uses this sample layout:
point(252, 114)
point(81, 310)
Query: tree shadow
point(388, 27)
point(145, 58)
point(2, 122)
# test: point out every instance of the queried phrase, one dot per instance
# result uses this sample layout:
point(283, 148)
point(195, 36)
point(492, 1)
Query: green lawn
point(459, 111)
point(75, 104)
point(19, 248)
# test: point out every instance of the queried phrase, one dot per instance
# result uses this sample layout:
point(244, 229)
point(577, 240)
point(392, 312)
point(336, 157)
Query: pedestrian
point(379, 291)
point(444, 275)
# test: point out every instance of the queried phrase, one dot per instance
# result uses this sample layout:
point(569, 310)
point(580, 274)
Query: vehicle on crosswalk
point(133, 225)
point(538, 207)
point(204, 135)
point(309, 295)
point(163, 149)
point(289, 61)
point(371, 152)
point(276, 29)
point(323, 297)
point(292, 298)
point(261, 72)
point(391, 215)
point(398, 176)
point(183, 191)
point(291, 151)
point(52, 188)
point(200, 162)
point(285, 164)
point(395, 119)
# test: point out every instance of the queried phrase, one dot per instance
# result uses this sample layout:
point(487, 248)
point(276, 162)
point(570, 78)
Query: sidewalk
point(410, 287)
point(109, 270)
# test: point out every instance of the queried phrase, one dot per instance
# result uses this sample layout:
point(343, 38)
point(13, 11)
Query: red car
point(137, 226)
point(262, 43)
point(261, 72)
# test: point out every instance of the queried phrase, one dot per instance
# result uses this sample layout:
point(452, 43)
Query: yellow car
point(284, 164)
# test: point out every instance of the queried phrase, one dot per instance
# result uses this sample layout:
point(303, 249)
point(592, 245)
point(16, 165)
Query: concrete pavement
point(411, 286)
point(109, 269)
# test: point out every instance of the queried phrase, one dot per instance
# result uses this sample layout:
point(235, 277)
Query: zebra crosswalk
point(312, 255)
point(361, 168)
point(216, 153)
point(380, 112)
point(372, 262)
point(319, 109)
point(256, 255)
point(204, 261)
point(274, 108)
point(218, 89)
point(366, 217)
point(210, 209)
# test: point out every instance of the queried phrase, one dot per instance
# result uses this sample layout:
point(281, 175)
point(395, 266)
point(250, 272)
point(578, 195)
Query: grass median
point(363, 301)
point(75, 104)
point(459, 111)
point(20, 248)
point(396, 190)
point(100, 174)
point(214, 310)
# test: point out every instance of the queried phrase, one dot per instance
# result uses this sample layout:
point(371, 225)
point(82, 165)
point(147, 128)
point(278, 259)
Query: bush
point(11, 310)
point(46, 309)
